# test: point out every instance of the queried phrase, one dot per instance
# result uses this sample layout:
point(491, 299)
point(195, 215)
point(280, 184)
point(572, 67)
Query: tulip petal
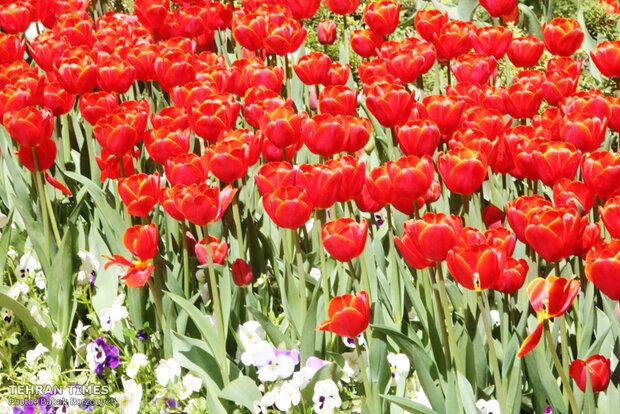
point(531, 341)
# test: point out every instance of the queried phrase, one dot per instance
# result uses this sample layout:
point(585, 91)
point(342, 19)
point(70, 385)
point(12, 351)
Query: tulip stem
point(442, 319)
point(484, 310)
point(302, 277)
point(157, 301)
point(50, 210)
point(561, 372)
point(237, 219)
point(324, 276)
point(38, 185)
point(444, 303)
point(217, 307)
point(466, 206)
point(362, 363)
point(185, 260)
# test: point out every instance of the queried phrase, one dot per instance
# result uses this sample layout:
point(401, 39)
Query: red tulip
point(312, 69)
point(382, 16)
point(453, 40)
point(45, 155)
point(289, 207)
point(338, 100)
point(491, 40)
point(555, 160)
point(519, 211)
point(365, 42)
point(429, 239)
point(273, 175)
point(525, 52)
point(348, 315)
point(141, 241)
point(167, 202)
point(513, 276)
point(523, 100)
point(95, 105)
point(344, 238)
point(601, 172)
point(574, 194)
point(353, 176)
point(462, 169)
point(29, 126)
point(602, 265)
point(151, 13)
point(11, 48)
point(241, 273)
point(201, 204)
point(567, 64)
point(549, 297)
point(584, 131)
point(444, 112)
point(420, 137)
point(215, 114)
point(320, 132)
point(15, 16)
point(342, 7)
point(473, 67)
point(115, 74)
point(597, 367)
point(57, 99)
point(303, 9)
point(390, 104)
point(250, 30)
point(174, 67)
point(606, 57)
point(285, 38)
point(77, 72)
point(321, 182)
point(610, 214)
point(140, 193)
point(498, 8)
point(165, 143)
point(555, 233)
point(562, 36)
point(219, 250)
point(429, 22)
point(229, 159)
point(589, 102)
point(326, 32)
point(476, 266)
point(282, 126)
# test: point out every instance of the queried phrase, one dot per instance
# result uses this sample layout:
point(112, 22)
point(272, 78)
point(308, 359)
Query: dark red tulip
point(596, 367)
point(241, 273)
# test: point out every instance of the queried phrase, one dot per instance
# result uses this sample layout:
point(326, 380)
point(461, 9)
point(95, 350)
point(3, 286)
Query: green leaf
point(422, 364)
point(529, 21)
point(206, 329)
point(276, 336)
point(60, 282)
point(242, 391)
point(40, 333)
point(5, 241)
point(407, 404)
point(466, 394)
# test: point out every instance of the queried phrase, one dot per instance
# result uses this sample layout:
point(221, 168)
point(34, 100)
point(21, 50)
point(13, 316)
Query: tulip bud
point(241, 273)
point(326, 32)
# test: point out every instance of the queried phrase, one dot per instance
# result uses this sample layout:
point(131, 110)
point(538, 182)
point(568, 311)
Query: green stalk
point(367, 389)
point(442, 319)
point(217, 307)
point(157, 300)
point(484, 310)
point(561, 372)
point(324, 275)
point(444, 303)
point(237, 219)
point(186, 260)
point(50, 210)
point(302, 277)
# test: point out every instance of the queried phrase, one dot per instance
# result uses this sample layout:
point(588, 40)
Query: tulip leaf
point(422, 363)
point(5, 241)
point(529, 20)
point(407, 404)
point(276, 336)
point(42, 334)
point(308, 334)
point(242, 391)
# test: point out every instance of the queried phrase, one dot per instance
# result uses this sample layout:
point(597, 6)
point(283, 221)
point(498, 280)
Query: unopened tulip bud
point(241, 273)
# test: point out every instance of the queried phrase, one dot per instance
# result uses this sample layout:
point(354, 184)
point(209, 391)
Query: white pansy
point(259, 408)
point(108, 317)
point(89, 263)
point(326, 397)
point(350, 342)
point(28, 265)
point(315, 273)
point(3, 220)
point(12, 253)
point(399, 365)
point(287, 396)
point(495, 317)
point(248, 356)
point(34, 354)
point(129, 401)
point(488, 407)
point(18, 289)
point(250, 333)
point(57, 340)
point(36, 315)
point(351, 368)
point(189, 385)
point(273, 363)
point(167, 371)
point(40, 280)
point(138, 361)
point(44, 377)
point(7, 315)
